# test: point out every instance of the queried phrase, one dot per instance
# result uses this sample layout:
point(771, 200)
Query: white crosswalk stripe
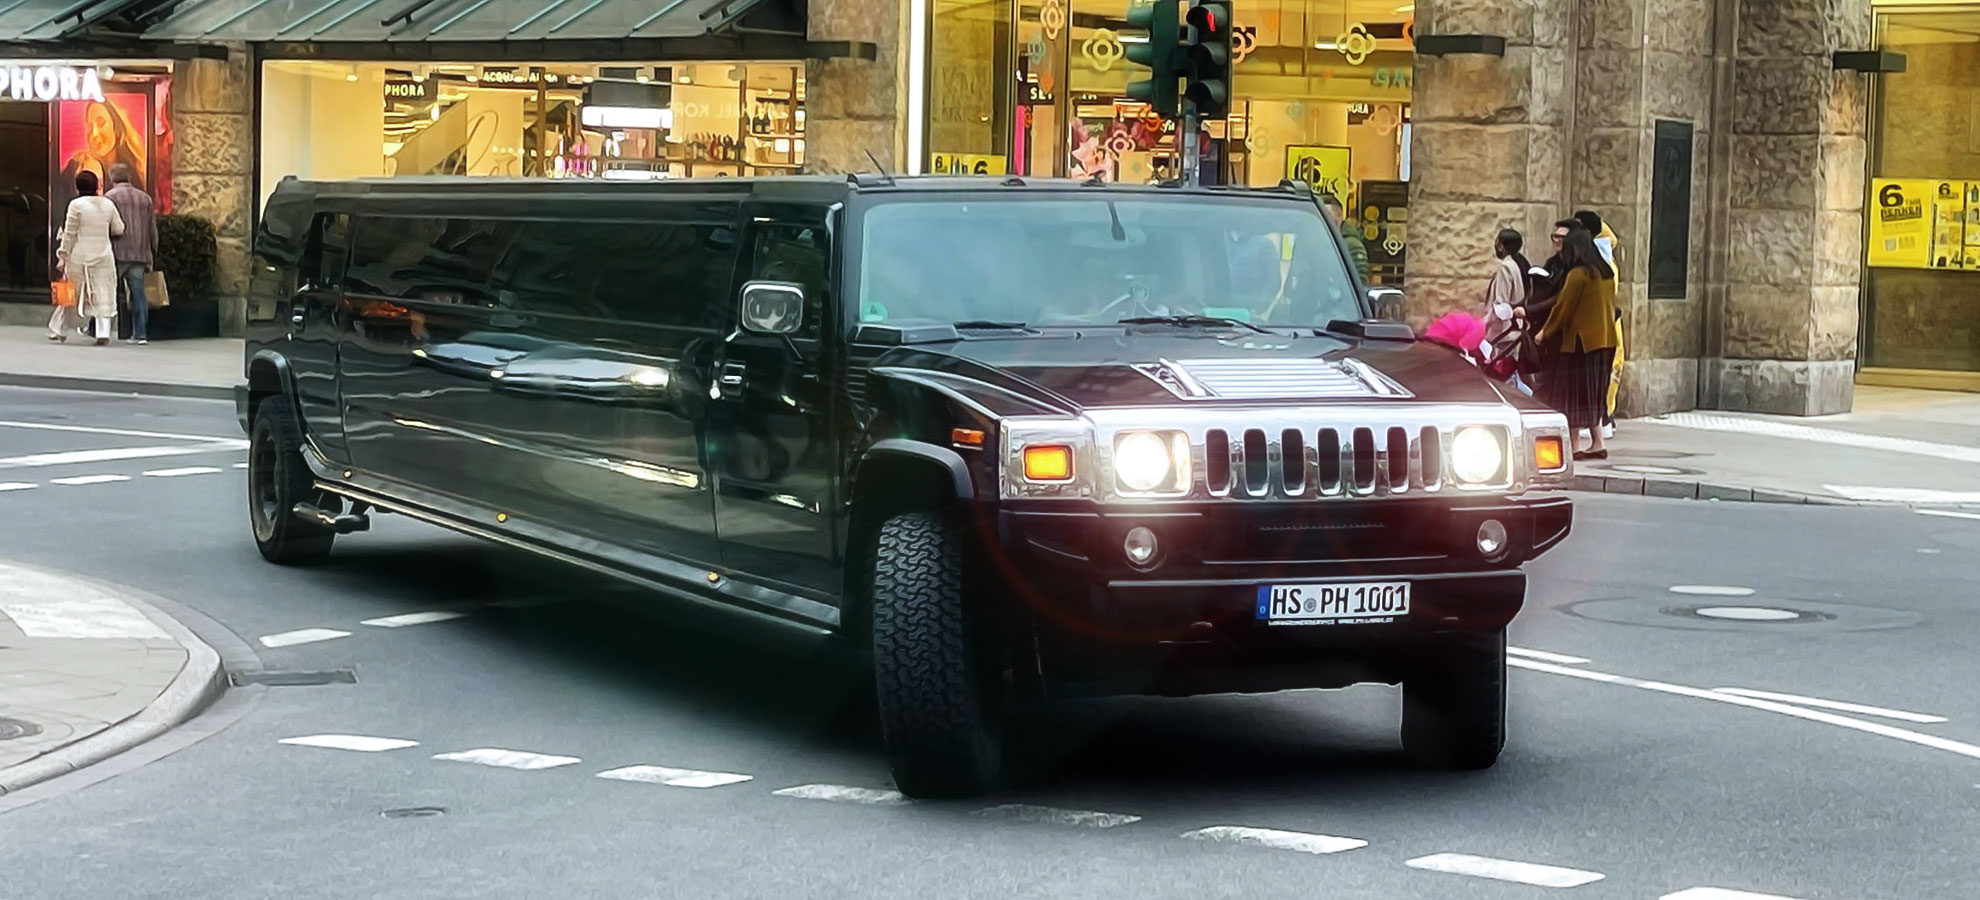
point(508, 759)
point(1504, 870)
point(1052, 815)
point(359, 742)
point(687, 778)
point(841, 793)
point(1299, 841)
point(418, 618)
point(301, 636)
point(16, 486)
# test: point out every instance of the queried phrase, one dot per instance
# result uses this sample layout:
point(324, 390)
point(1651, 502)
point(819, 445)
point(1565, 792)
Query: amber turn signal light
point(1549, 454)
point(966, 437)
point(1048, 462)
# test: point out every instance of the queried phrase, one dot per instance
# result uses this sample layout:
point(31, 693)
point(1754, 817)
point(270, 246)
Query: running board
point(344, 524)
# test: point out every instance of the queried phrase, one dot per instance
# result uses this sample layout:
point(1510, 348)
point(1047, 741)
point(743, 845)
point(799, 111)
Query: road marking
point(1747, 613)
point(1947, 514)
point(189, 470)
point(1902, 495)
point(48, 606)
point(1712, 893)
point(1930, 551)
point(1545, 656)
point(1765, 428)
point(1711, 590)
point(76, 457)
point(120, 432)
point(418, 618)
point(841, 793)
point(301, 636)
point(508, 759)
point(91, 479)
point(16, 485)
point(1924, 740)
point(1051, 815)
point(240, 465)
point(1299, 841)
point(687, 778)
point(359, 742)
point(1836, 705)
point(1504, 870)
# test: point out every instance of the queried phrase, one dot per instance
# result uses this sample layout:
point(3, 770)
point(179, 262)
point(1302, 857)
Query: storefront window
point(971, 86)
point(616, 121)
point(1922, 285)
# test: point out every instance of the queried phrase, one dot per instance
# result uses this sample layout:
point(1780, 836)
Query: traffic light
point(1208, 66)
point(1162, 54)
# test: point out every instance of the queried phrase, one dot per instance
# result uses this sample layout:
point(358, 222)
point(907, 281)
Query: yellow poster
point(1925, 223)
point(967, 164)
point(1949, 225)
point(1325, 168)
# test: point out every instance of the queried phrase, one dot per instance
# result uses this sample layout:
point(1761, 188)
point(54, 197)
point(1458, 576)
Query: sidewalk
point(195, 367)
point(86, 674)
point(1898, 446)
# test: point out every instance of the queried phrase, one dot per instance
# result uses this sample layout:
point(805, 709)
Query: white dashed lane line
point(1947, 514)
point(1298, 841)
point(179, 473)
point(1837, 705)
point(358, 742)
point(687, 778)
point(301, 636)
point(16, 485)
point(508, 759)
point(418, 618)
point(1052, 815)
point(1712, 893)
point(841, 793)
point(90, 479)
point(240, 465)
point(1545, 656)
point(1504, 870)
point(78, 457)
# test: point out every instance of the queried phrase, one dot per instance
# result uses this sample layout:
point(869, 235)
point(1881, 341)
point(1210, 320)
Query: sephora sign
point(49, 83)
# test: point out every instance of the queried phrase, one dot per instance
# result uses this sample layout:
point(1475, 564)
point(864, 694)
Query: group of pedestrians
point(1552, 330)
point(107, 242)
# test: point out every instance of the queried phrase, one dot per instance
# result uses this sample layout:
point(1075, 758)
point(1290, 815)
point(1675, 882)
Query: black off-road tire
point(1454, 703)
point(941, 714)
point(277, 480)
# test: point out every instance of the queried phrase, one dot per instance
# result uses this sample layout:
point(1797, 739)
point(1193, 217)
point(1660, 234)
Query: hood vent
point(1271, 379)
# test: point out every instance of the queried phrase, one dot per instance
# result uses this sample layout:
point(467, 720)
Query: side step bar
point(358, 520)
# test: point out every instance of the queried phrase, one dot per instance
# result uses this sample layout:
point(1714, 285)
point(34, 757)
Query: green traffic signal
point(1162, 54)
point(1208, 63)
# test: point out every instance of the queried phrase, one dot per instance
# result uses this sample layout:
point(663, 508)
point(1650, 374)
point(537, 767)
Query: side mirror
point(1386, 303)
point(772, 307)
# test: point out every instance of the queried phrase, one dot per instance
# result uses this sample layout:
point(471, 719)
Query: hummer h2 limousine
point(1015, 439)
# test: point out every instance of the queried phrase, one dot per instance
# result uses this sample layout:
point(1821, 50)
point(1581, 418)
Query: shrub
point(187, 253)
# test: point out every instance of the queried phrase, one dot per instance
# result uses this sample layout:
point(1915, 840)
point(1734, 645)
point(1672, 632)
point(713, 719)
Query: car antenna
point(877, 167)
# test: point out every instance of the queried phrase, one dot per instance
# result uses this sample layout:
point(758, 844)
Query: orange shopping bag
point(64, 292)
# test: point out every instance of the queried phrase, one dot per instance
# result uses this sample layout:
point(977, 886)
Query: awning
point(395, 21)
point(48, 21)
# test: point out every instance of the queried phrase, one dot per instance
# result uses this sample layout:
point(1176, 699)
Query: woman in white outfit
point(87, 261)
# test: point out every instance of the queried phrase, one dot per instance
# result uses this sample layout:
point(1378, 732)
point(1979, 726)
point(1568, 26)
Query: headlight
point(1478, 455)
point(1148, 461)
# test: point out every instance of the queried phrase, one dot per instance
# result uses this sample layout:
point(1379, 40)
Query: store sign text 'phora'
point(49, 83)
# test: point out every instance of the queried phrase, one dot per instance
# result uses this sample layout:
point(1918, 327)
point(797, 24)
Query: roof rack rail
point(1296, 187)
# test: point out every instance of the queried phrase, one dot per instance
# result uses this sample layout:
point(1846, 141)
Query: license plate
point(1349, 603)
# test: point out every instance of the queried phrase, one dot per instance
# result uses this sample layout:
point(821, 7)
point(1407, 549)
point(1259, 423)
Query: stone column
point(1486, 147)
point(213, 167)
point(1786, 334)
point(854, 106)
point(1640, 61)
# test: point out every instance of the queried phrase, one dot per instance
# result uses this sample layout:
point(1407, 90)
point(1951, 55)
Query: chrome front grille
point(1360, 461)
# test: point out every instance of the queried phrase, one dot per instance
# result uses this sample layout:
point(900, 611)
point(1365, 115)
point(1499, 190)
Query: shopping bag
point(155, 293)
point(63, 292)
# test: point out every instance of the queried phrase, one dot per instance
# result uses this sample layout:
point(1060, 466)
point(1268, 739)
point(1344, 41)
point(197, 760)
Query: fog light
point(1140, 546)
point(1491, 538)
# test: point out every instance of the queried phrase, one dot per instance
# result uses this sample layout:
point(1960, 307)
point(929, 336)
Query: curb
point(118, 386)
point(1678, 489)
point(197, 685)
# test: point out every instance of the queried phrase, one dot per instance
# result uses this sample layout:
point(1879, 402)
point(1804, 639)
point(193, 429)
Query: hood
point(1139, 369)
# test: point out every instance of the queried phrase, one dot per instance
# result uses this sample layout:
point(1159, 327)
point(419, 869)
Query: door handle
point(732, 374)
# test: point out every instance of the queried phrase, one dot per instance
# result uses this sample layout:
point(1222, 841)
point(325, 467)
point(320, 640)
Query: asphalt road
point(1626, 760)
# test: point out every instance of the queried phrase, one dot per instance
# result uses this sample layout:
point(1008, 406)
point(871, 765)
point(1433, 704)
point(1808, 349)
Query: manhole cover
point(1721, 613)
point(414, 812)
point(16, 728)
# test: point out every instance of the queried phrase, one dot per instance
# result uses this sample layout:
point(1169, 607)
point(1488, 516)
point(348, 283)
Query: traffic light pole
point(1186, 136)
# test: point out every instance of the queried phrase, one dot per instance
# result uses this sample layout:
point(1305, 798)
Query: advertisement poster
point(1325, 168)
point(967, 164)
point(94, 135)
point(1383, 212)
point(1922, 223)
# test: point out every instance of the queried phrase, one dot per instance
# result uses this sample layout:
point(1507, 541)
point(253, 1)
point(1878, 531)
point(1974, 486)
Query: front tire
point(1454, 703)
point(278, 479)
point(940, 713)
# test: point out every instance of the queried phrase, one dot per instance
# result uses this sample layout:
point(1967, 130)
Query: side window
point(672, 275)
point(436, 260)
point(329, 246)
point(799, 254)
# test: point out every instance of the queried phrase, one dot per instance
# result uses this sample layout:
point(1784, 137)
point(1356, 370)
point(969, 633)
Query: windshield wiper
point(990, 325)
point(1191, 320)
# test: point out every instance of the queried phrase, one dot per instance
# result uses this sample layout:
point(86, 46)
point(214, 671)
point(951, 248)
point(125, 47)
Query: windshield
point(1101, 259)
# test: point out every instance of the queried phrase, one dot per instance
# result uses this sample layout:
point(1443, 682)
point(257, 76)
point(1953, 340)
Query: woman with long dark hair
point(1580, 332)
point(88, 262)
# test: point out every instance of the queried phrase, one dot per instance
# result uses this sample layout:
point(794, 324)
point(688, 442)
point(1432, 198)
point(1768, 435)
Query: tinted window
point(801, 255)
point(651, 273)
point(329, 245)
point(438, 260)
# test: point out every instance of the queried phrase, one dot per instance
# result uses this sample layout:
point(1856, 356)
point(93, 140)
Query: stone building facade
point(213, 114)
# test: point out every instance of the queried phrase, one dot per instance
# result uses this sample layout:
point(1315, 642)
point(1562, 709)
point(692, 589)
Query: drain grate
point(17, 728)
point(293, 679)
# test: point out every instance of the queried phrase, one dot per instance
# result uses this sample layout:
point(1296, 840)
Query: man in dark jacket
point(1350, 235)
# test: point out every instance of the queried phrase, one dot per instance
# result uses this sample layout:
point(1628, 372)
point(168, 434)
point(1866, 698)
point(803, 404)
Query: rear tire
point(278, 479)
point(1454, 703)
point(941, 715)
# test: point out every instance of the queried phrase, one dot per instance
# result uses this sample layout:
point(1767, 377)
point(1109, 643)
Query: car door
point(316, 316)
point(770, 417)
